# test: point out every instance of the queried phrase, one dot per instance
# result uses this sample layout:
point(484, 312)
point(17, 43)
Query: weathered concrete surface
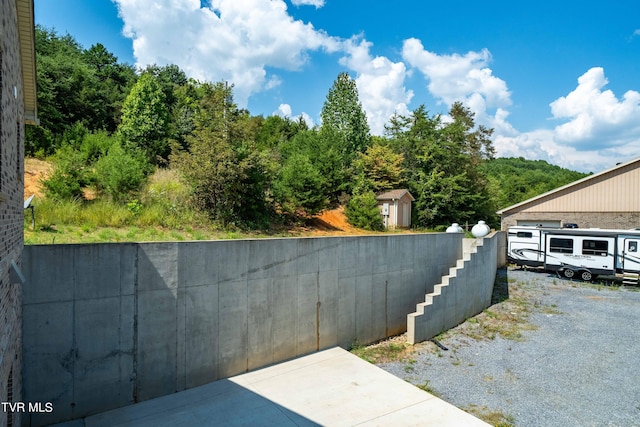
point(107, 325)
point(462, 293)
point(79, 314)
point(332, 388)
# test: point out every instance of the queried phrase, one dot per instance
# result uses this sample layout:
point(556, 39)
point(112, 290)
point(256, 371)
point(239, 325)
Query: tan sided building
point(609, 199)
point(17, 108)
point(395, 207)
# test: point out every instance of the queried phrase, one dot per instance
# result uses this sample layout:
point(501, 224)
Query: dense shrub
point(96, 145)
point(69, 175)
point(165, 202)
point(362, 211)
point(39, 142)
point(299, 186)
point(120, 173)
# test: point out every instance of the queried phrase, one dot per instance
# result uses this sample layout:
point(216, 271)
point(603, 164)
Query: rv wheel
point(586, 275)
point(568, 273)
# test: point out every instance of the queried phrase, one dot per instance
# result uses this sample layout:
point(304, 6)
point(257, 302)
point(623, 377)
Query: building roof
point(26, 35)
point(567, 188)
point(394, 195)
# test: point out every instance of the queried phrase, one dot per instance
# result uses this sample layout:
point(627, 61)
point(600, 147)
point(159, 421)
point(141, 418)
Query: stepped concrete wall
point(462, 293)
point(107, 325)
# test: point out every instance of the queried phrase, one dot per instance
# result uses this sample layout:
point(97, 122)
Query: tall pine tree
point(343, 117)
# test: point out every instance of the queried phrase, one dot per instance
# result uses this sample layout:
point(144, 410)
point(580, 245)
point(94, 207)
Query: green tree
point(299, 186)
point(319, 146)
point(181, 97)
point(228, 177)
point(95, 145)
point(169, 77)
point(344, 120)
point(145, 119)
point(113, 82)
point(39, 142)
point(70, 174)
point(409, 135)
point(74, 135)
point(362, 211)
point(343, 112)
point(478, 144)
point(184, 111)
point(378, 169)
point(63, 77)
point(120, 174)
point(442, 166)
point(275, 130)
point(75, 86)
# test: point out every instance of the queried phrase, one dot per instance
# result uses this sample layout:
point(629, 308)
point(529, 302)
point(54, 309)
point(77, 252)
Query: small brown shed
point(395, 207)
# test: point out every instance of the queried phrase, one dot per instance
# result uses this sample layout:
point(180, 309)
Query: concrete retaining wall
point(107, 325)
point(462, 293)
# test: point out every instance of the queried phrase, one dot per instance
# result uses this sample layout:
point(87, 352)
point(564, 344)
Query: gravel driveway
point(574, 361)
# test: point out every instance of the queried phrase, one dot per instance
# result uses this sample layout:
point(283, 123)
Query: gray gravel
point(580, 367)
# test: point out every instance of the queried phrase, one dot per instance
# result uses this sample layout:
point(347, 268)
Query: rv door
point(524, 246)
point(631, 254)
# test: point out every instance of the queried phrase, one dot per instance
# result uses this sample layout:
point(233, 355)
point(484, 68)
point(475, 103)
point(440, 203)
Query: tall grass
point(163, 202)
point(96, 213)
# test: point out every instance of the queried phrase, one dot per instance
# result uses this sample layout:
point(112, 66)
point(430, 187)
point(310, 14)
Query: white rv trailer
point(576, 252)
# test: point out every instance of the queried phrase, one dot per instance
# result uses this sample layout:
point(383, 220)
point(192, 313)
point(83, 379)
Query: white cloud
point(600, 129)
point(457, 77)
point(307, 118)
point(542, 144)
point(636, 32)
point(464, 78)
point(228, 40)
point(284, 110)
point(596, 117)
point(274, 81)
point(380, 83)
point(316, 3)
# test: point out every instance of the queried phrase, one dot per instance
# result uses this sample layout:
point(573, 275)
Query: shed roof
point(26, 35)
point(394, 195)
point(568, 188)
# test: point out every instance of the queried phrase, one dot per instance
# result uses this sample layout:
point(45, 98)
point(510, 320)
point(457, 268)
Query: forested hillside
point(513, 180)
point(108, 129)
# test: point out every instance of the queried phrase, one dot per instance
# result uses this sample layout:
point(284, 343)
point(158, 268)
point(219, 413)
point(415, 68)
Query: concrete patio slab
point(331, 387)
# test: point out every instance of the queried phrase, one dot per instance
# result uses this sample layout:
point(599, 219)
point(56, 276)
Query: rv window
point(595, 247)
point(526, 234)
point(633, 247)
point(564, 246)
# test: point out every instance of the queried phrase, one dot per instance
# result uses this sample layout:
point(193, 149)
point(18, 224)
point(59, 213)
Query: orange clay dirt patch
point(34, 171)
point(332, 222)
point(335, 218)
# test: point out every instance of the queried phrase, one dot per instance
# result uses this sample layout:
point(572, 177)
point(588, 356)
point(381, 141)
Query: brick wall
point(11, 208)
point(615, 220)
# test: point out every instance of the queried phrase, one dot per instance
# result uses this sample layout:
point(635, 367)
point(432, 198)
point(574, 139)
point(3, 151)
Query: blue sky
point(558, 81)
